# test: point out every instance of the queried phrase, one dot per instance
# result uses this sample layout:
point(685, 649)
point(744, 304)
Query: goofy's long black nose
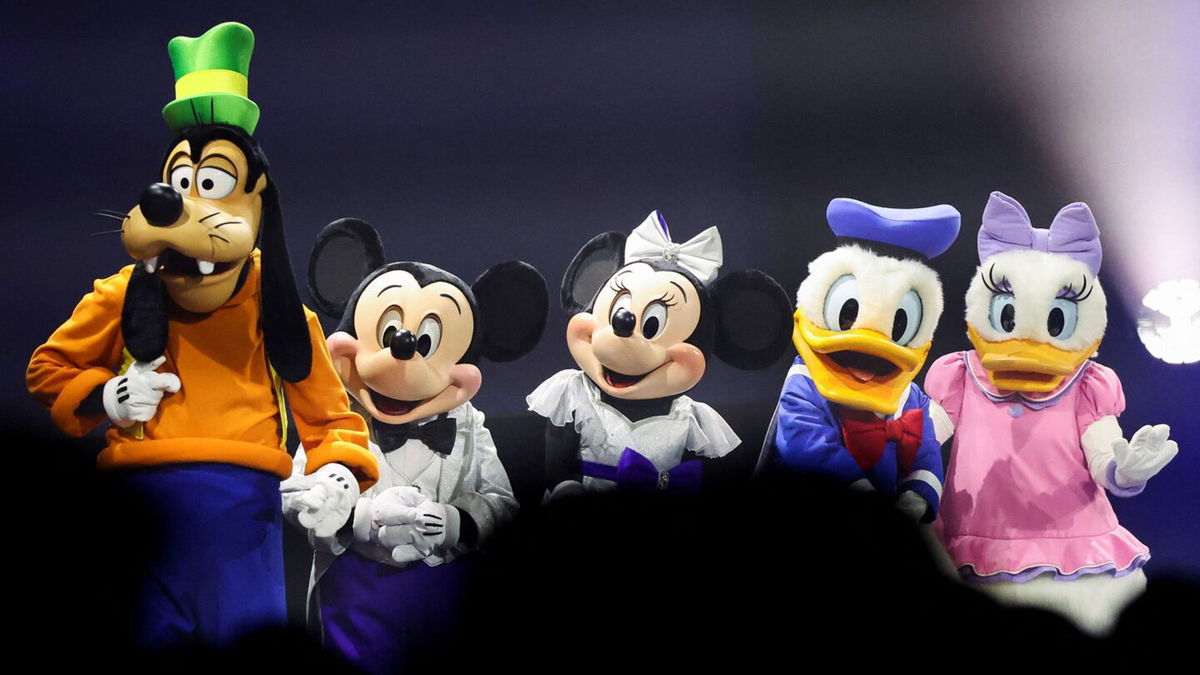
point(623, 322)
point(403, 345)
point(161, 205)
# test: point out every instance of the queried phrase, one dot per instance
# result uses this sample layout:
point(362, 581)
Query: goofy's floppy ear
point(285, 329)
point(346, 251)
point(754, 319)
point(592, 266)
point(512, 301)
point(144, 315)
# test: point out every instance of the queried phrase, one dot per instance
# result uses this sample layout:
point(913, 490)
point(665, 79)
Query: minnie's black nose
point(403, 345)
point(161, 205)
point(623, 322)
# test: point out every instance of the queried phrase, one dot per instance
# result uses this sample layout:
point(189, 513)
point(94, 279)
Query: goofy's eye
point(181, 179)
point(390, 323)
point(1060, 322)
point(907, 318)
point(1003, 312)
point(841, 303)
point(654, 319)
point(214, 183)
point(623, 301)
point(429, 336)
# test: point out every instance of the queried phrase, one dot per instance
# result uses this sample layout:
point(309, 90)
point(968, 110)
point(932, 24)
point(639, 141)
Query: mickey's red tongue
point(391, 406)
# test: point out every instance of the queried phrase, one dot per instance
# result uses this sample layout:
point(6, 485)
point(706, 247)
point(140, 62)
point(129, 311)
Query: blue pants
point(217, 571)
point(377, 616)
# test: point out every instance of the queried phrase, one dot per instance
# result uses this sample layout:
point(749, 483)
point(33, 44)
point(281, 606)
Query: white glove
point(389, 520)
point(322, 500)
point(134, 396)
point(912, 505)
point(1139, 458)
point(432, 526)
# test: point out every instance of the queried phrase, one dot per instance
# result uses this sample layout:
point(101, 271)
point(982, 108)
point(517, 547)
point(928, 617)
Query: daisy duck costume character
point(647, 315)
point(864, 322)
point(388, 581)
point(191, 354)
point(1034, 421)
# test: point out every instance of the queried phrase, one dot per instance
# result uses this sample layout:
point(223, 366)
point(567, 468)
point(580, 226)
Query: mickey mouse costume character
point(864, 323)
point(202, 440)
point(1034, 420)
point(647, 314)
point(406, 349)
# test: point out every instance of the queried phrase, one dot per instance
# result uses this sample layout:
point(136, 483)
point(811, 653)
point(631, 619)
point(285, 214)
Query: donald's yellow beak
point(1026, 365)
point(858, 368)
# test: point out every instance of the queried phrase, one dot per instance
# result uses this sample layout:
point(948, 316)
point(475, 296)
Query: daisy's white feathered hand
point(1144, 455)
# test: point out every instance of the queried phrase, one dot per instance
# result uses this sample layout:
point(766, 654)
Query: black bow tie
point(438, 434)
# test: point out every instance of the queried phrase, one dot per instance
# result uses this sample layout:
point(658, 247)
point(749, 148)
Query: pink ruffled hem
point(1114, 550)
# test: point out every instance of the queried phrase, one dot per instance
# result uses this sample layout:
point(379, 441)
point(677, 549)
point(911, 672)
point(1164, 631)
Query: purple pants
point(380, 617)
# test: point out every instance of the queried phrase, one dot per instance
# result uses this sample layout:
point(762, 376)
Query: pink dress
point(1019, 500)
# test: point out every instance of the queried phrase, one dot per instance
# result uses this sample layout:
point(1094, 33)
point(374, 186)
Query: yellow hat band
point(215, 81)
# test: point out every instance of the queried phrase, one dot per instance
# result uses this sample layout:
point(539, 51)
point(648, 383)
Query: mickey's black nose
point(161, 205)
point(623, 322)
point(403, 345)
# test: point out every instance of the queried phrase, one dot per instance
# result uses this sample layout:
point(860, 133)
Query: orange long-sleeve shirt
point(226, 409)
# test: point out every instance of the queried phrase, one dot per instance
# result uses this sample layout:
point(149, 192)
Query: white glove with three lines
point(322, 500)
point(1144, 455)
point(404, 520)
point(134, 395)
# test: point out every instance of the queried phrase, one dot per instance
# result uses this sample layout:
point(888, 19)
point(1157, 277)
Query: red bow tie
point(866, 436)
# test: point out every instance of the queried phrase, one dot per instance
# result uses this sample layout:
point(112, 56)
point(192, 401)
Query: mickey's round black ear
point(754, 319)
point(345, 252)
point(592, 266)
point(512, 303)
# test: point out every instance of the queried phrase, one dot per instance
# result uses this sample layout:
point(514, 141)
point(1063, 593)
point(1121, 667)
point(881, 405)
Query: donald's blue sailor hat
point(906, 233)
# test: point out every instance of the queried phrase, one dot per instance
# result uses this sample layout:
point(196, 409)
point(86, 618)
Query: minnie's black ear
point(345, 252)
point(754, 319)
point(144, 315)
point(512, 303)
point(592, 266)
point(285, 328)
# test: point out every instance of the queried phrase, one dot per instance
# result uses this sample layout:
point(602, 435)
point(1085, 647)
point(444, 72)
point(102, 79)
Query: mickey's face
point(404, 363)
point(197, 234)
point(633, 345)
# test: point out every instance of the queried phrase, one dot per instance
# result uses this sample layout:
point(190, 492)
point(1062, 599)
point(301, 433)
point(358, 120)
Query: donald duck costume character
point(1034, 420)
point(863, 324)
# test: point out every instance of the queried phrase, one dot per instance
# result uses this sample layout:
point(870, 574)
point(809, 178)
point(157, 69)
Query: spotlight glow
point(1170, 322)
point(1112, 89)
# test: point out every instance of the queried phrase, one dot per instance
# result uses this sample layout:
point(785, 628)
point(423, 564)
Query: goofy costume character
point(202, 440)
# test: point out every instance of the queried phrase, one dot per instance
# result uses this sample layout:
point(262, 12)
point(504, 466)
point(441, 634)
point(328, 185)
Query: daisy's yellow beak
point(858, 368)
point(1026, 365)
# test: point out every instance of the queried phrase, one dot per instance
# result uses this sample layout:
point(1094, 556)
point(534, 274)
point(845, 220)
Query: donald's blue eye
point(841, 303)
point(1061, 320)
point(907, 318)
point(1003, 312)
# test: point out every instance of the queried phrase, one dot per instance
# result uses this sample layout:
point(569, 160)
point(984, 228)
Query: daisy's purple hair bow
point(1072, 233)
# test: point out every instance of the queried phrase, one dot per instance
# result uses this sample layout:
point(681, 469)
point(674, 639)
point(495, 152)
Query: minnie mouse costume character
point(406, 349)
point(864, 320)
point(647, 314)
point(1034, 420)
point(202, 441)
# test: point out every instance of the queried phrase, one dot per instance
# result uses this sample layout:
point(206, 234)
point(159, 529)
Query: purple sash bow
point(1073, 232)
point(636, 472)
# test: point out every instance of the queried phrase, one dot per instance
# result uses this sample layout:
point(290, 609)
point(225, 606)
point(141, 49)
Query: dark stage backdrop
point(473, 135)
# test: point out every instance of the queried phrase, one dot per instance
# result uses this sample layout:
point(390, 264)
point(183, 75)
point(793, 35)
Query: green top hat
point(210, 79)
